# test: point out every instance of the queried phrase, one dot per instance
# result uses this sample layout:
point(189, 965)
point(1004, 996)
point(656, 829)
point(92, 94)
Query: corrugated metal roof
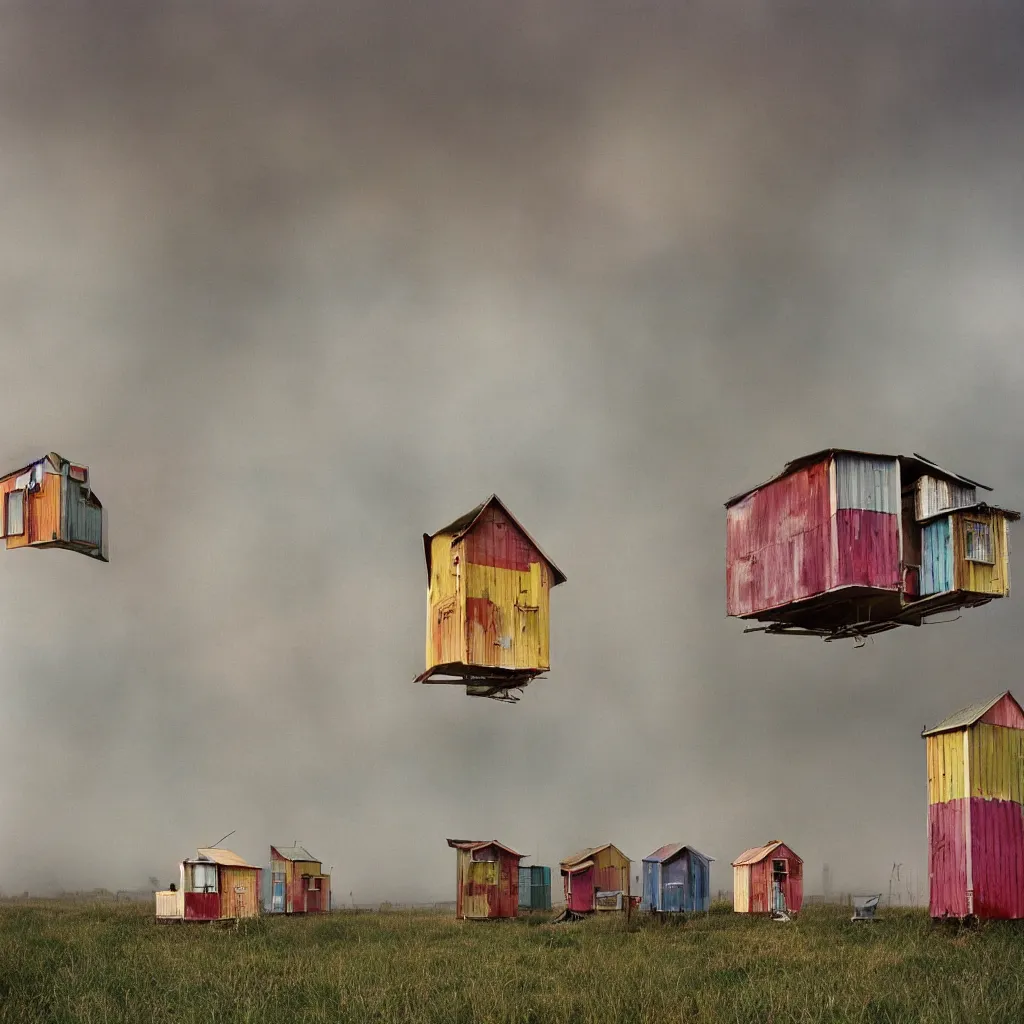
point(225, 857)
point(672, 850)
point(979, 506)
point(461, 526)
point(295, 853)
point(967, 716)
point(479, 844)
point(581, 855)
point(915, 461)
point(757, 853)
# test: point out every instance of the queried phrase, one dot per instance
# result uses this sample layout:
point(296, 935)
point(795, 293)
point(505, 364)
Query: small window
point(14, 513)
point(204, 877)
point(779, 867)
point(314, 883)
point(978, 542)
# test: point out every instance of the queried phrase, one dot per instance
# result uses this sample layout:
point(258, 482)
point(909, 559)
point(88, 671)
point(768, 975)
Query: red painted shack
point(216, 885)
point(840, 542)
point(768, 879)
point(487, 879)
point(596, 878)
point(488, 603)
point(976, 811)
point(298, 882)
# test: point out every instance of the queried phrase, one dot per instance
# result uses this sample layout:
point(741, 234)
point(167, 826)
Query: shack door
point(483, 877)
point(778, 886)
point(508, 890)
point(277, 893)
point(311, 895)
point(581, 887)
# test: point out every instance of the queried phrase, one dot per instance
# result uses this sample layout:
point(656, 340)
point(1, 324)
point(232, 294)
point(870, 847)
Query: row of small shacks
point(676, 879)
point(218, 885)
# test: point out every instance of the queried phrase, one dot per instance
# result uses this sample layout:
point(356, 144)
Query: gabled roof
point(912, 462)
point(966, 717)
point(295, 853)
point(223, 857)
point(480, 844)
point(587, 854)
point(670, 852)
point(979, 507)
point(465, 523)
point(758, 853)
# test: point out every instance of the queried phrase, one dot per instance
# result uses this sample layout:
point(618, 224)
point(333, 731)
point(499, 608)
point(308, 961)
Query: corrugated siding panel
point(700, 888)
point(612, 871)
point(741, 889)
point(869, 549)
point(869, 484)
point(947, 859)
point(525, 888)
point(43, 524)
point(980, 577)
point(239, 904)
point(779, 543)
point(85, 521)
point(170, 904)
point(932, 496)
point(936, 558)
point(997, 858)
point(507, 617)
point(997, 763)
point(652, 885)
point(945, 756)
point(445, 606)
point(761, 886)
point(1004, 712)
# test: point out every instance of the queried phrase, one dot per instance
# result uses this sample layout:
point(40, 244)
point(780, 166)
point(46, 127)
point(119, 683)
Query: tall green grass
point(81, 963)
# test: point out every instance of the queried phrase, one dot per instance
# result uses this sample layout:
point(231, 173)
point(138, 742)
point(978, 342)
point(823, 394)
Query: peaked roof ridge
point(458, 529)
point(969, 715)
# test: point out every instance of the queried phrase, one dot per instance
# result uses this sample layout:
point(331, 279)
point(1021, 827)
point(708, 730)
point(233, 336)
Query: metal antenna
point(213, 846)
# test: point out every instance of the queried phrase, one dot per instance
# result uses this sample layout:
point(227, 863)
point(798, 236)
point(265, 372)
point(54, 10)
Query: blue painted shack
point(677, 879)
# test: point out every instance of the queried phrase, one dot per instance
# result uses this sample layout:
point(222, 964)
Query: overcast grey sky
point(300, 282)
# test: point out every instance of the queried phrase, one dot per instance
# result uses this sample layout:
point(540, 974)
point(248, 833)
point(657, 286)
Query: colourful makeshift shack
point(677, 879)
point(535, 888)
point(487, 883)
point(217, 885)
point(768, 880)
point(848, 543)
point(596, 878)
point(976, 812)
point(50, 503)
point(488, 603)
point(298, 884)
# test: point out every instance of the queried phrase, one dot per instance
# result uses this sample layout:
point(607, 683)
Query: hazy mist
point(300, 282)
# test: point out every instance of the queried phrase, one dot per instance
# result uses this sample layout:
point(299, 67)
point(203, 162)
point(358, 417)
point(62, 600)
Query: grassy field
point(85, 963)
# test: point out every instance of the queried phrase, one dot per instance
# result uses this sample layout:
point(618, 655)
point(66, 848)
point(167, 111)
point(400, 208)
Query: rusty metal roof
point(479, 844)
point(756, 854)
point(967, 716)
point(915, 461)
point(588, 853)
point(225, 857)
point(295, 853)
point(980, 507)
point(671, 851)
point(461, 526)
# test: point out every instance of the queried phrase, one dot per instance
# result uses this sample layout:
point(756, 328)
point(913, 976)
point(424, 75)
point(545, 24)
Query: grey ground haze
point(300, 282)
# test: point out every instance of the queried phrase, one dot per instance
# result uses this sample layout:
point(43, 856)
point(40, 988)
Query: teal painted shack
point(677, 879)
point(535, 888)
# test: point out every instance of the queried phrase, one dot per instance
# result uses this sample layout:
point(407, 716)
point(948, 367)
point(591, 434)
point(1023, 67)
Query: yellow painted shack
point(488, 603)
point(298, 883)
point(50, 503)
point(596, 878)
point(216, 885)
